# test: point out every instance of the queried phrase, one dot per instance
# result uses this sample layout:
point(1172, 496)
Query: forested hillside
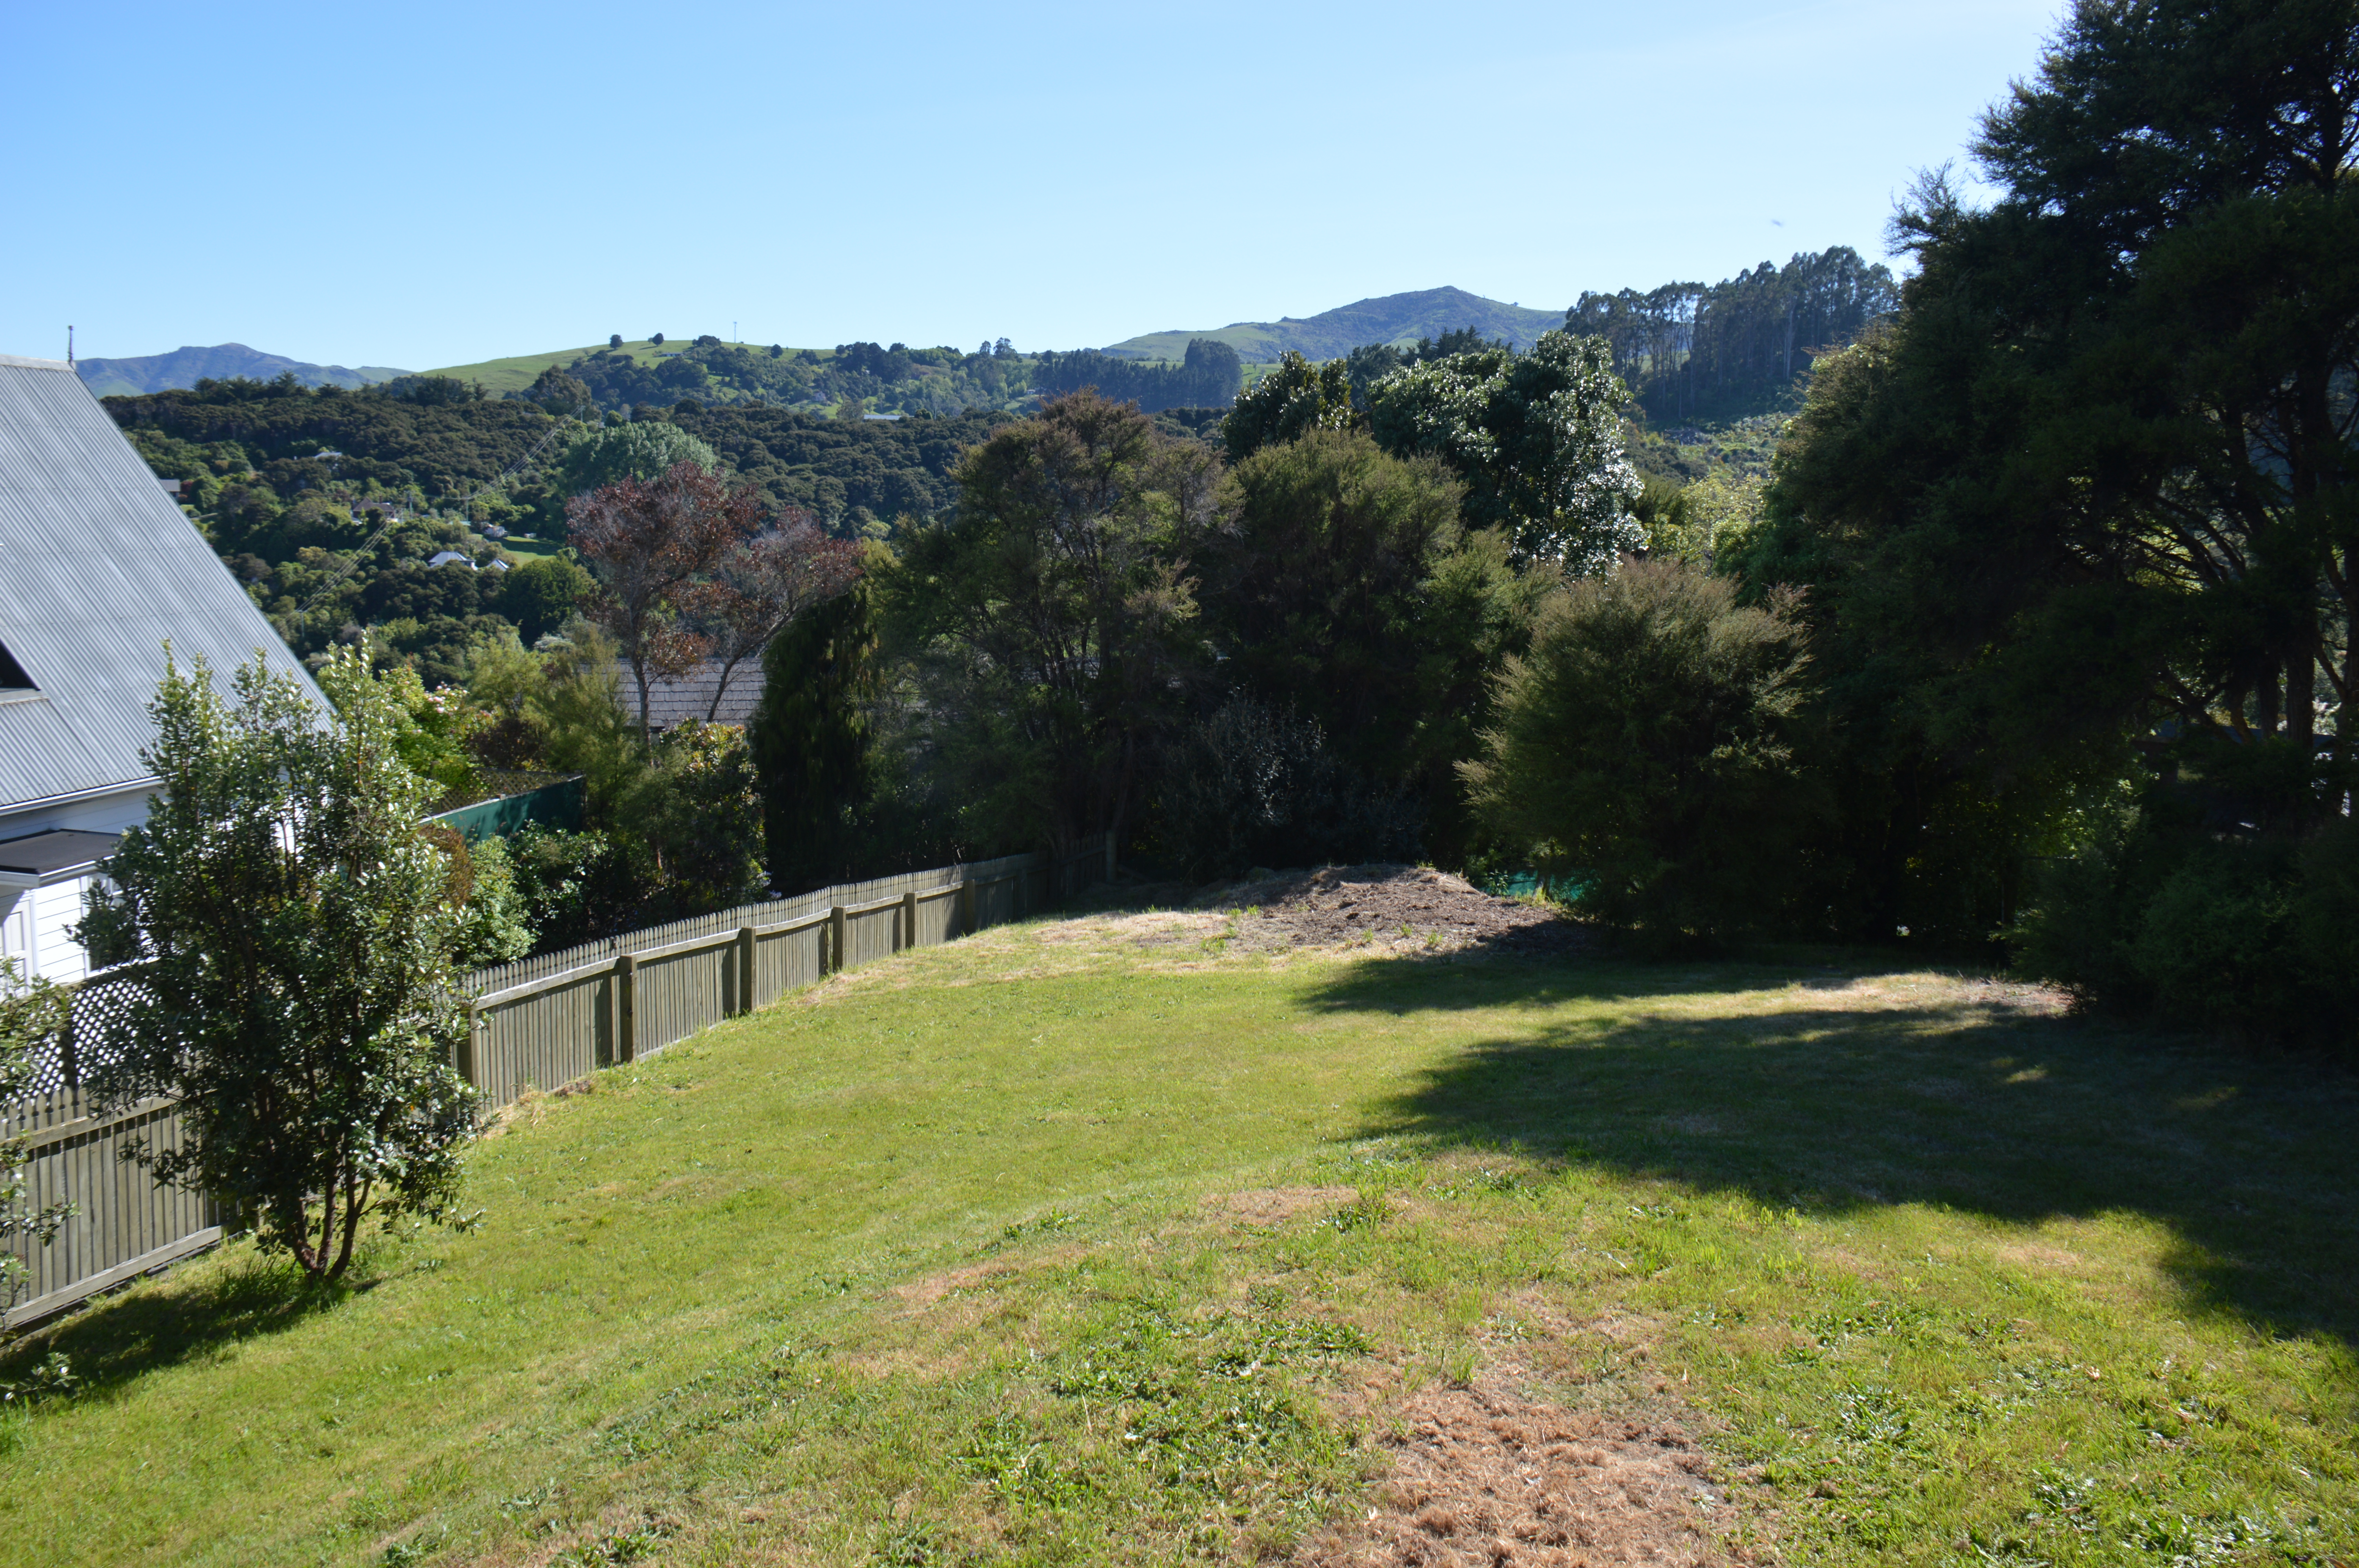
point(880, 378)
point(329, 503)
point(856, 475)
point(1736, 347)
point(1210, 375)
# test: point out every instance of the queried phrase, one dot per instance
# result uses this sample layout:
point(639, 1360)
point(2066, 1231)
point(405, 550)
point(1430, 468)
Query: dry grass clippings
point(1483, 1476)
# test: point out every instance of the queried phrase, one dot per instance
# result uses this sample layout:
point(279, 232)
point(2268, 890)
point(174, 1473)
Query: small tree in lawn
point(648, 543)
point(297, 991)
point(32, 1021)
point(763, 583)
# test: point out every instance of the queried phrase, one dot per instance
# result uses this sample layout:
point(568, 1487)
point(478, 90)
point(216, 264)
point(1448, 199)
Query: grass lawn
point(531, 549)
point(1104, 1241)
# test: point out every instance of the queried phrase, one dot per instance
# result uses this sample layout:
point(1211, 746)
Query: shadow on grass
point(205, 1309)
point(1807, 1088)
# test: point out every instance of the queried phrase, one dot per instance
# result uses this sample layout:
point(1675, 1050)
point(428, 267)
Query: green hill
point(1398, 318)
point(185, 366)
point(518, 373)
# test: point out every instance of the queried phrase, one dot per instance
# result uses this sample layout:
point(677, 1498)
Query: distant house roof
point(444, 557)
point(98, 567)
point(669, 703)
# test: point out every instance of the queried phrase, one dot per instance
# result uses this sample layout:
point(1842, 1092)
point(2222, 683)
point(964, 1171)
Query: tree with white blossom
point(1538, 439)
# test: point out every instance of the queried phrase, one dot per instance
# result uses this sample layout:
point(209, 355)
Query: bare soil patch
point(1483, 1477)
point(925, 1293)
point(1392, 907)
point(1275, 1206)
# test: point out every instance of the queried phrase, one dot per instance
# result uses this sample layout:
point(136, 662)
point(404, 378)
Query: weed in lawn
point(1366, 1212)
point(1038, 1225)
point(910, 1545)
point(617, 1549)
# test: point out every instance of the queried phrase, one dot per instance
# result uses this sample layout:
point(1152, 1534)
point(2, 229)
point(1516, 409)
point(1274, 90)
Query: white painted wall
point(35, 929)
point(34, 922)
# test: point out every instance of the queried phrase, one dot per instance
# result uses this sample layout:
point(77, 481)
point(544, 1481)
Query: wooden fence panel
point(124, 1224)
point(789, 958)
point(998, 899)
point(938, 917)
point(544, 1039)
point(681, 991)
point(870, 934)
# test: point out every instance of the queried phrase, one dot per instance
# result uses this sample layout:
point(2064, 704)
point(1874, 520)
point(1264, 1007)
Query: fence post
point(910, 917)
point(970, 914)
point(466, 1061)
point(744, 969)
point(626, 1008)
point(835, 940)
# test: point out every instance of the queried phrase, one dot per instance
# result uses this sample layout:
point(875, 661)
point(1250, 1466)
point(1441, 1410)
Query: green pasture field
point(531, 549)
point(1120, 1240)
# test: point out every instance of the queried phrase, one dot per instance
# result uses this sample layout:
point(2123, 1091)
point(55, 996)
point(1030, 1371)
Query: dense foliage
point(1050, 622)
point(1689, 350)
point(1646, 749)
point(811, 741)
point(1209, 377)
point(882, 379)
point(1536, 437)
point(330, 506)
point(2079, 529)
point(1254, 785)
point(856, 476)
point(1340, 585)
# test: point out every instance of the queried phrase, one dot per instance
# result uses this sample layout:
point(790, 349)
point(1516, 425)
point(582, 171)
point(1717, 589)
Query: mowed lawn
point(1111, 1240)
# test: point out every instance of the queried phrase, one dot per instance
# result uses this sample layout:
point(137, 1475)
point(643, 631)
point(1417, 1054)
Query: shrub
point(1645, 744)
point(1257, 785)
point(2253, 935)
point(299, 937)
point(574, 887)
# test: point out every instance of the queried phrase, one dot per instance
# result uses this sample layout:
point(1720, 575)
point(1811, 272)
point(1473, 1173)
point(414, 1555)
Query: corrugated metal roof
point(672, 703)
point(97, 569)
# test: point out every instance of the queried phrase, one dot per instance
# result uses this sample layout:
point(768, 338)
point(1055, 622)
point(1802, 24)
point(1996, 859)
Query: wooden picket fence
point(541, 1023)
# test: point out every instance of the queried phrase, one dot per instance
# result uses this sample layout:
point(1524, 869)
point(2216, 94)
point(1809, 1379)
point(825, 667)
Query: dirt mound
point(1482, 1477)
point(1399, 908)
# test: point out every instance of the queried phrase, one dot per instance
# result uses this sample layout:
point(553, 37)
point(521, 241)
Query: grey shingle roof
point(669, 702)
point(97, 569)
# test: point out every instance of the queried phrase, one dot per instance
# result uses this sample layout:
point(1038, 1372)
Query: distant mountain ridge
point(185, 366)
point(1399, 318)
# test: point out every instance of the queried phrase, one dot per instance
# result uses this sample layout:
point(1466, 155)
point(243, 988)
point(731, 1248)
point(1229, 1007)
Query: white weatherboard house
point(98, 567)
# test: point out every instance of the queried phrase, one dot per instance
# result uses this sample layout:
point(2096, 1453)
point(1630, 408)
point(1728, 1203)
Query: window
point(12, 674)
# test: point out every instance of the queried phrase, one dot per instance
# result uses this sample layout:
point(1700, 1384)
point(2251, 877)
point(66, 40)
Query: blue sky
point(433, 183)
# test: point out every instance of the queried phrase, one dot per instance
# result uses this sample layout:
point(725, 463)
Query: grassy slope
point(518, 372)
point(918, 1267)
